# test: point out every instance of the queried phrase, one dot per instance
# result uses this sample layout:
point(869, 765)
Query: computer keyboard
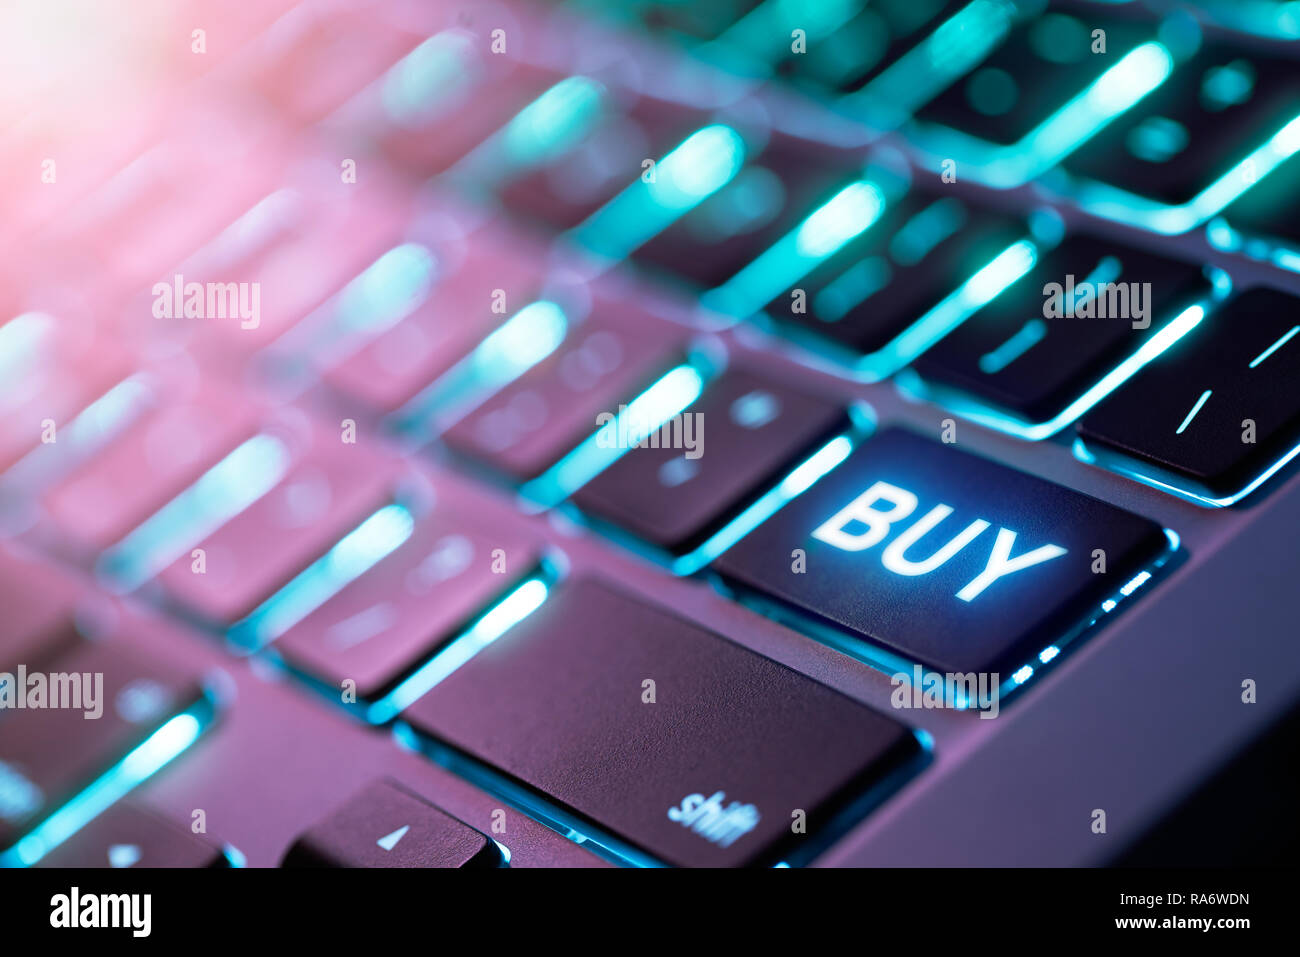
point(541, 434)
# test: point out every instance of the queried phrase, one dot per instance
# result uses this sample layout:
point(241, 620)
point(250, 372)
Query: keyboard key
point(878, 285)
point(610, 358)
point(1216, 412)
point(129, 836)
point(1216, 109)
point(745, 433)
point(1106, 300)
point(763, 201)
point(389, 367)
point(1038, 69)
point(47, 754)
point(706, 775)
point(943, 557)
point(187, 430)
point(396, 614)
point(386, 825)
point(51, 368)
point(328, 488)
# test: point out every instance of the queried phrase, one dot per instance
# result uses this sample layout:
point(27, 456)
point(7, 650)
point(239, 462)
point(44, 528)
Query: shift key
point(669, 737)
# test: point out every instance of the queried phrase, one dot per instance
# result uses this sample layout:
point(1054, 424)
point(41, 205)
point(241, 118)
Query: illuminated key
point(1218, 414)
point(745, 433)
point(49, 755)
point(915, 551)
point(128, 836)
point(1221, 124)
point(1088, 315)
point(900, 285)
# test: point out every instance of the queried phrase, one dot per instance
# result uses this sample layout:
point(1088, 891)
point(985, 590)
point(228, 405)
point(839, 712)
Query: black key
point(1210, 114)
point(1219, 409)
point(386, 825)
point(1105, 300)
point(943, 557)
point(849, 55)
point(925, 245)
point(1037, 69)
point(707, 774)
point(128, 836)
point(47, 754)
point(745, 433)
point(765, 200)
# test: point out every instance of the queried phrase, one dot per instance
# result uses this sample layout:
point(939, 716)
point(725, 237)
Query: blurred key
point(51, 368)
point(1219, 410)
point(1266, 210)
point(456, 561)
point(944, 557)
point(385, 825)
point(766, 198)
point(707, 774)
point(127, 836)
point(442, 99)
point(607, 360)
point(905, 272)
point(745, 432)
point(1038, 69)
point(1083, 309)
point(1216, 110)
point(328, 487)
point(191, 426)
point(38, 605)
point(321, 53)
point(385, 365)
point(47, 754)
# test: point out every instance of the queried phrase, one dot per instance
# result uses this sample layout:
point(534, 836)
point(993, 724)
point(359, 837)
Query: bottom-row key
point(683, 745)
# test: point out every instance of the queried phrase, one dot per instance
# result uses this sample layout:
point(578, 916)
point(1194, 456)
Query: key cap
point(51, 368)
point(764, 200)
point(847, 54)
point(48, 754)
point(1187, 413)
point(922, 249)
point(129, 836)
point(943, 557)
point(38, 605)
point(395, 364)
point(394, 616)
point(708, 775)
point(386, 825)
point(441, 100)
point(316, 57)
point(1105, 300)
point(744, 433)
point(1036, 70)
point(527, 426)
point(327, 491)
point(1213, 111)
point(188, 430)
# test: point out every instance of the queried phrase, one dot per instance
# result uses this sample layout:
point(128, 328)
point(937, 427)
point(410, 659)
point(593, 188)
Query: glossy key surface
point(705, 772)
point(941, 556)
